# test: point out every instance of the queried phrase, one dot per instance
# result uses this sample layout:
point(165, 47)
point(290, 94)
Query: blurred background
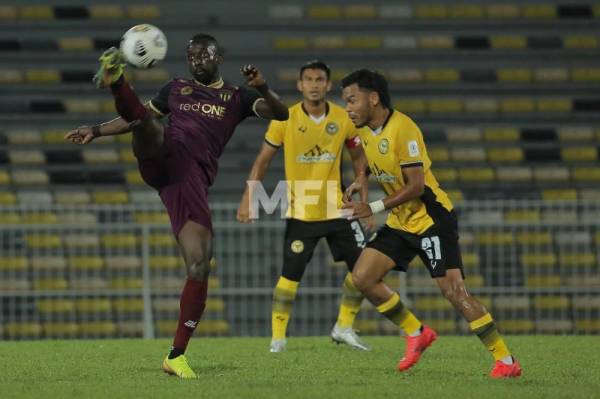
point(505, 92)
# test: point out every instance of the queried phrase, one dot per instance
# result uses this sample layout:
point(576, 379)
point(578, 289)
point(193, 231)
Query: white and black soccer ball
point(144, 46)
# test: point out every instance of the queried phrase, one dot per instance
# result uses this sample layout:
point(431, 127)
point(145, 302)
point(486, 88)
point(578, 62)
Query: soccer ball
point(144, 46)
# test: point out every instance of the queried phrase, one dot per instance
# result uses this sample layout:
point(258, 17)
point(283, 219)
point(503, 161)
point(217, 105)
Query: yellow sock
point(351, 300)
point(283, 299)
point(486, 330)
point(398, 314)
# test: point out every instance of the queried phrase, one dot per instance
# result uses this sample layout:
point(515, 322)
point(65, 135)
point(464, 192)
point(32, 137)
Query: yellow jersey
point(399, 144)
point(312, 155)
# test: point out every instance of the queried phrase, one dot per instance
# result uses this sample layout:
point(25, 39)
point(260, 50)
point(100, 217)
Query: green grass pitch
point(454, 367)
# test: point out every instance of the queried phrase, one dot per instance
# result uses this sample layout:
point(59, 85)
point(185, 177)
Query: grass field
point(454, 367)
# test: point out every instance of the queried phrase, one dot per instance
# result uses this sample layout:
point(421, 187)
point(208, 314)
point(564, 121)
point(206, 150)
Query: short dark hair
point(372, 81)
point(316, 64)
point(204, 37)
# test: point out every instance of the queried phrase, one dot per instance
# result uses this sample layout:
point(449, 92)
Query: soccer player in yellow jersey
point(313, 139)
point(421, 222)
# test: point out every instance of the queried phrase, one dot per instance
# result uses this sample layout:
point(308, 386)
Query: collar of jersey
point(378, 130)
point(215, 85)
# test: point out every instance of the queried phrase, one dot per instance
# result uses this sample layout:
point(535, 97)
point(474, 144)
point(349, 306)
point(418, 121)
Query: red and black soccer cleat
point(415, 346)
point(503, 370)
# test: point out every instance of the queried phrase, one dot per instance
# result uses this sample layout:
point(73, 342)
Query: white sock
point(507, 360)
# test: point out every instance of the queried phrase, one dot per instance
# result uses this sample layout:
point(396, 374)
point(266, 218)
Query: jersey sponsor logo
point(297, 246)
point(316, 155)
point(186, 90)
point(413, 148)
point(302, 129)
point(225, 96)
point(210, 110)
point(381, 175)
point(384, 146)
point(332, 128)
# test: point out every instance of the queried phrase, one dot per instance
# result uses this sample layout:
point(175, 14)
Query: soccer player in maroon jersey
point(180, 159)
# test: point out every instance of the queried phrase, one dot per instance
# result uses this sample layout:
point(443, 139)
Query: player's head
point(364, 91)
point(313, 81)
point(204, 56)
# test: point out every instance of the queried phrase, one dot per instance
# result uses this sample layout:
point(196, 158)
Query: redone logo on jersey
point(207, 109)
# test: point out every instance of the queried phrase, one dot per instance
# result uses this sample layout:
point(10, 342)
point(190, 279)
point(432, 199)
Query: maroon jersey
point(203, 118)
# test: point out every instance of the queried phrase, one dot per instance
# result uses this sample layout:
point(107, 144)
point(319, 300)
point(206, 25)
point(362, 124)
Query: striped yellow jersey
point(399, 144)
point(312, 156)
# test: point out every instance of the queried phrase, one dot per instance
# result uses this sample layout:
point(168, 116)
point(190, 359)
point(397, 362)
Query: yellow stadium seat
point(290, 43)
point(13, 263)
point(480, 175)
point(582, 154)
point(72, 197)
point(80, 106)
point(442, 326)
point(494, 238)
point(134, 178)
point(97, 329)
point(8, 13)
point(43, 284)
point(580, 41)
point(586, 302)
point(88, 283)
point(468, 154)
point(151, 217)
point(213, 327)
point(55, 306)
point(405, 75)
point(129, 305)
point(165, 262)
point(551, 173)
point(575, 133)
point(436, 42)
point(445, 174)
point(553, 326)
point(30, 177)
point(329, 11)
point(143, 12)
point(364, 42)
point(551, 75)
point(431, 11)
point(559, 194)
point(522, 216)
point(501, 134)
point(119, 240)
point(509, 42)
point(40, 218)
point(464, 134)
point(329, 42)
point(587, 326)
point(86, 262)
point(551, 302)
point(534, 11)
point(111, 197)
point(360, 11)
point(445, 106)
point(8, 198)
point(105, 11)
point(123, 262)
point(512, 302)
point(582, 281)
point(81, 240)
point(126, 155)
point(502, 11)
point(60, 330)
point(546, 259)
point(505, 154)
point(36, 12)
point(534, 238)
point(26, 157)
point(442, 75)
point(554, 105)
point(367, 326)
point(516, 326)
point(75, 44)
point(432, 303)
point(95, 305)
point(585, 74)
point(162, 240)
point(470, 260)
point(438, 154)
point(4, 178)
point(543, 281)
point(586, 174)
point(50, 262)
point(483, 105)
point(43, 240)
point(130, 328)
point(410, 106)
point(517, 105)
point(466, 11)
point(43, 76)
point(578, 259)
point(23, 330)
point(8, 217)
point(126, 283)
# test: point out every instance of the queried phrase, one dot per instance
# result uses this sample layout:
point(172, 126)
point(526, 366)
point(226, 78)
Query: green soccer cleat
point(112, 64)
point(179, 367)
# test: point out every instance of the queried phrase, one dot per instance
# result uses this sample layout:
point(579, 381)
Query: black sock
point(175, 352)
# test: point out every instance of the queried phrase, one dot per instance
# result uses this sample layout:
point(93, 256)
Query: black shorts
point(345, 238)
point(437, 247)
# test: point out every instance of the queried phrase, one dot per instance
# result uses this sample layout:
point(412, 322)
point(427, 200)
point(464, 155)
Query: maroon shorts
point(181, 183)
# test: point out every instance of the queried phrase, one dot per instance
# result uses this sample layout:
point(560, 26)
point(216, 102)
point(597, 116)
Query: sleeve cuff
point(271, 144)
point(153, 107)
point(255, 104)
point(411, 164)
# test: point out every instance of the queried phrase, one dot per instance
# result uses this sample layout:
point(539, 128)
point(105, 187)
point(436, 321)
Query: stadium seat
point(586, 260)
point(105, 11)
point(23, 136)
point(481, 105)
point(78, 218)
point(517, 105)
point(512, 302)
point(587, 326)
point(97, 329)
point(14, 284)
point(151, 217)
point(516, 326)
point(130, 328)
point(547, 281)
point(534, 11)
point(585, 74)
point(549, 174)
point(23, 330)
point(13, 263)
point(558, 194)
point(590, 174)
point(514, 174)
point(144, 197)
point(88, 283)
point(508, 42)
point(546, 260)
point(400, 42)
point(9, 198)
point(410, 106)
point(553, 326)
point(165, 262)
point(551, 75)
point(436, 42)
point(126, 283)
point(162, 240)
point(286, 11)
point(55, 306)
point(48, 262)
point(551, 302)
point(432, 303)
point(93, 305)
point(123, 262)
point(554, 105)
point(36, 12)
point(72, 197)
point(110, 197)
point(502, 11)
point(8, 13)
point(129, 305)
point(442, 75)
point(329, 11)
point(119, 240)
point(86, 263)
point(143, 12)
point(405, 75)
point(466, 11)
point(580, 41)
point(37, 241)
point(29, 177)
point(442, 325)
point(60, 330)
point(367, 326)
point(501, 134)
point(364, 42)
point(464, 134)
point(329, 42)
point(43, 284)
point(444, 106)
point(522, 216)
point(34, 197)
point(360, 11)
point(290, 43)
point(476, 174)
point(438, 154)
point(95, 156)
point(468, 154)
point(431, 11)
point(534, 238)
point(133, 178)
point(494, 238)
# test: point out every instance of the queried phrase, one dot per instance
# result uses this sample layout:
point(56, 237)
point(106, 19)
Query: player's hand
point(369, 223)
point(254, 77)
point(243, 212)
point(359, 185)
point(81, 135)
point(357, 210)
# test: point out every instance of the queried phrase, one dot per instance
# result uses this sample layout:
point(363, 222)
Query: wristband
point(377, 206)
point(96, 131)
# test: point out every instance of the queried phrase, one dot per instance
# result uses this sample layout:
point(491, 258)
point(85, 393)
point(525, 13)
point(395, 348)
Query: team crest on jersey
point(186, 90)
point(384, 146)
point(297, 246)
point(225, 95)
point(332, 128)
point(302, 129)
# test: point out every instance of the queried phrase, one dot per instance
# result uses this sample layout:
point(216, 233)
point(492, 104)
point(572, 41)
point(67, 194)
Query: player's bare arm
point(414, 188)
point(85, 134)
point(257, 173)
point(271, 107)
point(360, 165)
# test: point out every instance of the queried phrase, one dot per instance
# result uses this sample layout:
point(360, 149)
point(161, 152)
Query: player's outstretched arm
point(257, 173)
point(272, 107)
point(85, 134)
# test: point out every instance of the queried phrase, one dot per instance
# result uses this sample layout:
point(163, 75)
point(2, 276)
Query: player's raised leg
point(481, 323)
point(195, 242)
point(368, 275)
